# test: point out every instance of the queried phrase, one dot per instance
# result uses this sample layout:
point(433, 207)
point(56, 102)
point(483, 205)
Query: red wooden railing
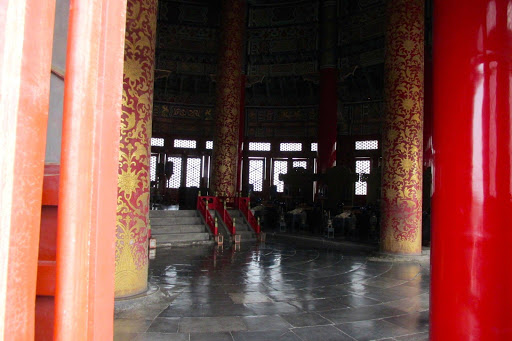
point(217, 204)
point(221, 203)
point(203, 204)
point(243, 204)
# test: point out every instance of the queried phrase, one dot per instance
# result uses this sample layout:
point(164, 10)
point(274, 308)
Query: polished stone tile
point(211, 324)
point(323, 333)
point(357, 301)
point(211, 337)
point(164, 325)
point(360, 313)
point(162, 337)
point(320, 304)
point(265, 336)
point(279, 291)
point(372, 330)
point(249, 297)
point(130, 326)
point(416, 322)
point(305, 319)
point(414, 337)
point(272, 308)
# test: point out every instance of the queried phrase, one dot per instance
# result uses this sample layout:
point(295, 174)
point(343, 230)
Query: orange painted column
point(402, 139)
point(131, 258)
point(225, 143)
point(84, 291)
point(26, 29)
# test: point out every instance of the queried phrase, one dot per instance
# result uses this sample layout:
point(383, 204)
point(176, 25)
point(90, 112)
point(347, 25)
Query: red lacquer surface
point(327, 119)
point(472, 202)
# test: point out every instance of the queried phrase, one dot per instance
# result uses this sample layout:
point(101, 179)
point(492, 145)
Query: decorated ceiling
point(281, 61)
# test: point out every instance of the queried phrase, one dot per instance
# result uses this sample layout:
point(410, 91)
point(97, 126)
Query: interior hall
point(255, 170)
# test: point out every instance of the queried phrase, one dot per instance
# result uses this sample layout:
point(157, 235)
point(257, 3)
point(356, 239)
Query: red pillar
point(26, 30)
point(471, 283)
point(327, 117)
point(328, 106)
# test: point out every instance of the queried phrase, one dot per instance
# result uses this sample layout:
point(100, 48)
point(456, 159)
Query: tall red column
point(227, 110)
point(241, 133)
point(328, 106)
point(402, 141)
point(471, 284)
point(133, 181)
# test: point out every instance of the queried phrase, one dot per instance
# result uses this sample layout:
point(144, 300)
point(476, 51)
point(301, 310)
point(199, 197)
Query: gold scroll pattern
point(133, 178)
point(225, 146)
point(403, 132)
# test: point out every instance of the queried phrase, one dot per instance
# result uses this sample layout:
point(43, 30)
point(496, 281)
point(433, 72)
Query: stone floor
point(277, 291)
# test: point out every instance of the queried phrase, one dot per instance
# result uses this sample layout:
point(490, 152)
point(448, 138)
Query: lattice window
point(152, 168)
point(367, 145)
point(362, 167)
point(209, 144)
point(280, 167)
point(314, 147)
point(175, 180)
point(256, 170)
point(300, 163)
point(157, 142)
point(193, 178)
point(290, 147)
point(185, 143)
point(259, 146)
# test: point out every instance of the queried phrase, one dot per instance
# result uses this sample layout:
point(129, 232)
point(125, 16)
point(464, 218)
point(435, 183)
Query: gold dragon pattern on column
point(133, 179)
point(403, 128)
point(225, 147)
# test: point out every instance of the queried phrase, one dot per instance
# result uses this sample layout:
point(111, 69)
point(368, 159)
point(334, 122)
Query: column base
point(382, 256)
point(151, 289)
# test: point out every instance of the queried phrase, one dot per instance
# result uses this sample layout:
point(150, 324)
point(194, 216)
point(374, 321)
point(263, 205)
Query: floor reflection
point(277, 291)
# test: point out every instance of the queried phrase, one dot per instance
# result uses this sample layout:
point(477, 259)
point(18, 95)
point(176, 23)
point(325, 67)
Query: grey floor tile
point(360, 313)
point(323, 333)
point(131, 326)
point(211, 324)
point(125, 336)
point(272, 322)
point(249, 297)
point(414, 337)
point(211, 337)
point(272, 308)
point(319, 304)
point(414, 322)
point(164, 325)
point(265, 336)
point(357, 301)
point(305, 319)
point(279, 292)
point(162, 337)
point(372, 330)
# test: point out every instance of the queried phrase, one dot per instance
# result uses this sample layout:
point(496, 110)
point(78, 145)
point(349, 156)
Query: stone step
point(172, 213)
point(159, 230)
point(175, 221)
point(243, 227)
point(181, 237)
point(235, 214)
